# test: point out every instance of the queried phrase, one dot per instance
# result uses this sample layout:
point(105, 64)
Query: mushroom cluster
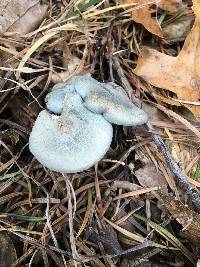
point(76, 131)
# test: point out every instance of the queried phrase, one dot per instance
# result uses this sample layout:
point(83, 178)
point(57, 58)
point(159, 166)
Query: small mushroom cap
point(72, 142)
point(111, 102)
point(55, 99)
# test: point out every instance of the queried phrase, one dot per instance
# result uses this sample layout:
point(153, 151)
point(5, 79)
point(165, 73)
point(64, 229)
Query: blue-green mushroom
point(76, 131)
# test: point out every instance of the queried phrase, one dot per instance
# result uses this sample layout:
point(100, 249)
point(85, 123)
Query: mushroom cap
point(80, 134)
point(110, 101)
point(72, 142)
point(55, 99)
point(107, 99)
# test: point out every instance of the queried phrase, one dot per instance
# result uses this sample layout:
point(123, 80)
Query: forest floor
point(139, 206)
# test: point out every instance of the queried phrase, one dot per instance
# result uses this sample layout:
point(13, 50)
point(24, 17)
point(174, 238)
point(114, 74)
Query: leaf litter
point(179, 74)
point(129, 209)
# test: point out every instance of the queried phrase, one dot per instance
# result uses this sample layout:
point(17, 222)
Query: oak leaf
point(180, 74)
point(142, 13)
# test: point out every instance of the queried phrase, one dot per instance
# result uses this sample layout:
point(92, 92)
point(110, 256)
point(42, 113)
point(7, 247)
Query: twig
point(120, 72)
point(32, 257)
point(70, 194)
point(173, 166)
point(180, 176)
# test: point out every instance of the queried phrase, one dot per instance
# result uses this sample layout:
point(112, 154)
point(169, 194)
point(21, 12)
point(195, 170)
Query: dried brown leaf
point(143, 15)
point(21, 15)
point(148, 176)
point(170, 5)
point(178, 29)
point(189, 219)
point(180, 74)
